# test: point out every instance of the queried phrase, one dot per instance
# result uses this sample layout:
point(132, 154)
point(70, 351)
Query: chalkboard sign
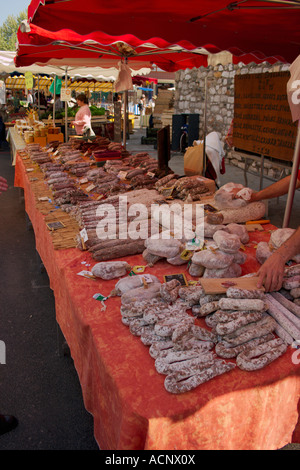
point(262, 117)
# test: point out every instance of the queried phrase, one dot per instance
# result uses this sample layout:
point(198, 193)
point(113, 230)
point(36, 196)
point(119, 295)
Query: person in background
point(271, 272)
point(83, 115)
point(141, 106)
point(29, 98)
point(58, 103)
point(7, 422)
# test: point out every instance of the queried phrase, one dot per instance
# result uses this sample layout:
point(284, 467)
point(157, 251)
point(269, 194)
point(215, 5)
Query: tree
point(8, 31)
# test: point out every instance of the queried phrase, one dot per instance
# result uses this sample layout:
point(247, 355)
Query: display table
point(120, 386)
point(16, 142)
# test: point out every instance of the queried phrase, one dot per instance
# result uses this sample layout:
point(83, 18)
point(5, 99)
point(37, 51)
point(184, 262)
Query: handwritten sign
point(262, 117)
point(65, 94)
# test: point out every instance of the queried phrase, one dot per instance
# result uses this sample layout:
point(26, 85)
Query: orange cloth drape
point(123, 391)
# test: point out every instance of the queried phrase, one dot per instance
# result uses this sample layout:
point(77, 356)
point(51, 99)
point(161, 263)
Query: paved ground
point(36, 384)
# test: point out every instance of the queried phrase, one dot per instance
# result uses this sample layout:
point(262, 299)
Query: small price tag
point(83, 180)
point(194, 244)
point(150, 174)
point(90, 188)
point(84, 235)
point(138, 269)
point(147, 278)
point(122, 175)
point(87, 274)
point(186, 255)
point(99, 297)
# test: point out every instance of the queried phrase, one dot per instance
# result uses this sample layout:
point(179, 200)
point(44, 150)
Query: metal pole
point(66, 108)
point(204, 126)
point(293, 181)
point(39, 109)
point(125, 118)
point(54, 99)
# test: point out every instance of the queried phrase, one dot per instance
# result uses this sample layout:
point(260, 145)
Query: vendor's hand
point(234, 192)
point(270, 274)
point(3, 184)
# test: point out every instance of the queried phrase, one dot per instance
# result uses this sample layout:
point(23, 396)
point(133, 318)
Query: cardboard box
point(55, 137)
point(41, 140)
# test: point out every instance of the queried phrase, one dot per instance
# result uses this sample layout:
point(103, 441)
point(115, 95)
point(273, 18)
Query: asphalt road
point(37, 385)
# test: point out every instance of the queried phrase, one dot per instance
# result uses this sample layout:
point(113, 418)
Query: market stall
point(139, 395)
point(121, 386)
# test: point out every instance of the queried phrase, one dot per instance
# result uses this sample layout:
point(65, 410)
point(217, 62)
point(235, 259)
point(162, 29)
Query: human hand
point(270, 274)
point(234, 192)
point(3, 184)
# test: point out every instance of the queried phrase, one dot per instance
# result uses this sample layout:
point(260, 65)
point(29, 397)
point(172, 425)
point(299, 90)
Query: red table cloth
point(120, 386)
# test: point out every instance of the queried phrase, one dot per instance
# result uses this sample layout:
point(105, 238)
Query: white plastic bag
point(225, 197)
point(124, 80)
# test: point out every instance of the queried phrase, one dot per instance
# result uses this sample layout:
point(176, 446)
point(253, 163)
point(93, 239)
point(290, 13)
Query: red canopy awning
point(264, 28)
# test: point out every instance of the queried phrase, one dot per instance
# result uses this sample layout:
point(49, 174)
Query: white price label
point(84, 235)
point(90, 187)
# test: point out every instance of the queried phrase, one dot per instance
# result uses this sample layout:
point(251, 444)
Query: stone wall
point(190, 92)
point(190, 98)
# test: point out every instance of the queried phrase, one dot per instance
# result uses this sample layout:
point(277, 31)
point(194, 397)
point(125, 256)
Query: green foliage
point(97, 111)
point(8, 31)
point(72, 111)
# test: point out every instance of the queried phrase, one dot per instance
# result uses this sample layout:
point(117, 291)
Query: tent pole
point(54, 99)
point(66, 108)
point(125, 118)
point(204, 126)
point(39, 109)
point(293, 181)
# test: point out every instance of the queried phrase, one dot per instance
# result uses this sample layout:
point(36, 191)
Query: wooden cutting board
point(216, 286)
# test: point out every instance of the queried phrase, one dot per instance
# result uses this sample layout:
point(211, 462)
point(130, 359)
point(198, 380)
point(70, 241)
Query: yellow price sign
point(186, 255)
point(28, 80)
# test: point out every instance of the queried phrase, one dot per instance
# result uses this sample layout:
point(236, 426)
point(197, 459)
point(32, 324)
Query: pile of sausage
point(245, 330)
point(185, 188)
point(37, 154)
point(223, 257)
point(291, 283)
point(285, 310)
point(120, 228)
point(182, 351)
point(238, 328)
point(277, 238)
